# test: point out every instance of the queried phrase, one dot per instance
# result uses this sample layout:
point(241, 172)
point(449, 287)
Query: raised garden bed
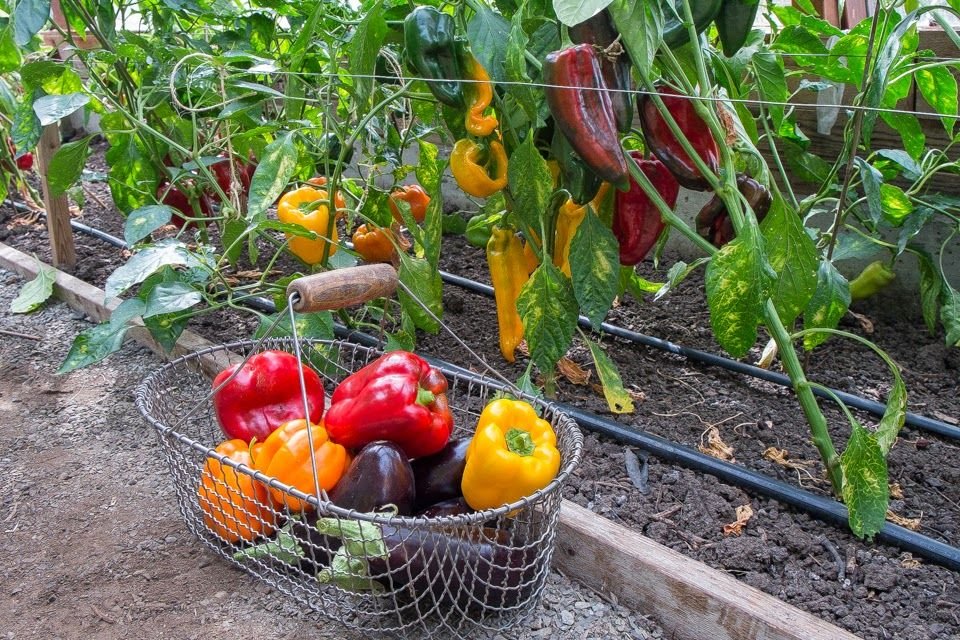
point(874, 591)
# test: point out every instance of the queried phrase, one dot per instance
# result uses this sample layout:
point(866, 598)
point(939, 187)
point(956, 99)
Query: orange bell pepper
point(285, 455)
point(415, 197)
point(235, 506)
point(374, 244)
point(338, 201)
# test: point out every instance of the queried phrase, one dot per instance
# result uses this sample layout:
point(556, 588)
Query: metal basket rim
point(326, 508)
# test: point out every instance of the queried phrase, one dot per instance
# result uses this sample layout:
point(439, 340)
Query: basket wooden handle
point(343, 287)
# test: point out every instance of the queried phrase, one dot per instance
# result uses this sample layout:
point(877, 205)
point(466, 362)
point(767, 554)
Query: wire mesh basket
point(452, 576)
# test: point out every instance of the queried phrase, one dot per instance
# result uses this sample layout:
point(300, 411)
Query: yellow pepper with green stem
point(508, 273)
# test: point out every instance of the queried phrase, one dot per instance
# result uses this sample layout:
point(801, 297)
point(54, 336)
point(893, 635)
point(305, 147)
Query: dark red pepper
point(400, 398)
point(636, 220)
point(661, 141)
point(264, 394)
point(583, 111)
point(713, 221)
point(222, 172)
point(614, 64)
point(174, 197)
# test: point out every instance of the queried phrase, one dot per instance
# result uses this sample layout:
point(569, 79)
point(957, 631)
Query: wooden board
point(690, 600)
point(57, 207)
point(687, 598)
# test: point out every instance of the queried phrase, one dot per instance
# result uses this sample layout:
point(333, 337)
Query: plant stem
point(854, 142)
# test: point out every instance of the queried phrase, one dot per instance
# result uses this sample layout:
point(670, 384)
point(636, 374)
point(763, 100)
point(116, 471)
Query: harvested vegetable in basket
point(235, 506)
point(455, 566)
point(285, 455)
point(398, 397)
point(513, 454)
point(264, 394)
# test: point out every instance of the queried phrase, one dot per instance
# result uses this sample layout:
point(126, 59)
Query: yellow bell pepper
point(479, 95)
point(477, 175)
point(309, 208)
point(512, 455)
point(508, 272)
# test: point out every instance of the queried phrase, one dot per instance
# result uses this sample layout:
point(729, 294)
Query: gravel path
point(92, 540)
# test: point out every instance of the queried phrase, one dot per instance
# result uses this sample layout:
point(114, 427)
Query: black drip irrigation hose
point(914, 420)
point(821, 508)
point(921, 423)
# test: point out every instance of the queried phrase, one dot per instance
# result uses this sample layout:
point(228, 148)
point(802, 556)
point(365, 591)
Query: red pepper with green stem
point(398, 397)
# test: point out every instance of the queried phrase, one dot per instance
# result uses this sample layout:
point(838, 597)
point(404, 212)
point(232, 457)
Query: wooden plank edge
point(86, 298)
point(687, 598)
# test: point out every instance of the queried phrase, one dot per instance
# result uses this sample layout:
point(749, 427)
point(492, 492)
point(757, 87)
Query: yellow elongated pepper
point(479, 96)
point(569, 219)
point(508, 272)
point(478, 171)
point(512, 455)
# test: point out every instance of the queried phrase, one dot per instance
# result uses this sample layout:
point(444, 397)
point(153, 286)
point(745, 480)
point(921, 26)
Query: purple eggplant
point(379, 476)
point(438, 476)
point(451, 507)
point(464, 567)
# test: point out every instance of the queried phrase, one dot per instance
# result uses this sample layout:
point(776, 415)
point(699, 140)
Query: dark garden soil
point(873, 590)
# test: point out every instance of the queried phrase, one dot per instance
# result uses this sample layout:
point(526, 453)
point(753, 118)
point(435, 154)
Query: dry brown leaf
point(865, 323)
point(946, 418)
point(896, 491)
point(636, 395)
point(744, 513)
point(909, 562)
point(908, 523)
point(714, 445)
point(523, 349)
point(780, 457)
point(573, 372)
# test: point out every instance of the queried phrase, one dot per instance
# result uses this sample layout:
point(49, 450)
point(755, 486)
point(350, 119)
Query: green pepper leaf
point(51, 108)
point(595, 266)
point(872, 181)
point(530, 183)
point(865, 490)
point(364, 47)
point(272, 174)
point(829, 303)
point(931, 282)
point(29, 16)
point(738, 283)
point(425, 286)
point(144, 221)
point(573, 12)
point(96, 343)
point(896, 205)
point(548, 309)
point(950, 314)
point(939, 89)
point(37, 291)
point(793, 256)
point(142, 264)
point(488, 33)
point(618, 400)
point(640, 25)
point(170, 297)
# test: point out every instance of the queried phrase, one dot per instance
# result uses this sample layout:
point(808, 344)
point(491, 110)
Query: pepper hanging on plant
point(734, 24)
point(675, 33)
point(713, 222)
point(614, 64)
point(309, 208)
point(435, 53)
point(508, 273)
point(875, 276)
point(569, 218)
point(636, 220)
point(661, 141)
point(583, 112)
point(480, 171)
point(478, 94)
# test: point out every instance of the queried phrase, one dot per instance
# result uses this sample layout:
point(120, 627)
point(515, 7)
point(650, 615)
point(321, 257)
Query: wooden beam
point(92, 301)
point(58, 209)
point(687, 598)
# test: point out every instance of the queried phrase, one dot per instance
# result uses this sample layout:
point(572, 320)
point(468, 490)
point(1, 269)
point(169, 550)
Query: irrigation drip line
point(917, 421)
point(824, 509)
point(914, 420)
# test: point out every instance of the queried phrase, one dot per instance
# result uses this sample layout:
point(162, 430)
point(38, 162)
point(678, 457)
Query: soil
point(873, 590)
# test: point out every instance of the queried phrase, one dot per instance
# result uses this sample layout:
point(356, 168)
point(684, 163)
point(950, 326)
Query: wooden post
point(58, 209)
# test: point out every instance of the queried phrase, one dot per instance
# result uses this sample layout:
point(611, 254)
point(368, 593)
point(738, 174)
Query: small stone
point(566, 617)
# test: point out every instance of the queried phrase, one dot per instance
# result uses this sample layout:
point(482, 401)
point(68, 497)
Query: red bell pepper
point(264, 395)
point(636, 220)
point(174, 197)
point(399, 398)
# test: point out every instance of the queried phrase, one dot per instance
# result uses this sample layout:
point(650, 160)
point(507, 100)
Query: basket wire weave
point(454, 576)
